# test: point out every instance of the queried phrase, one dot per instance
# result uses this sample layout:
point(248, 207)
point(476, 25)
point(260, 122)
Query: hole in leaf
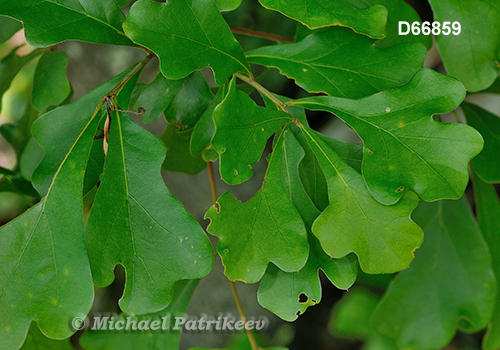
point(298, 313)
point(303, 298)
point(401, 188)
point(314, 301)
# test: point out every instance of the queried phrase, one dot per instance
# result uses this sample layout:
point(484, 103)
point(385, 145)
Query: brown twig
point(250, 335)
point(274, 37)
point(213, 186)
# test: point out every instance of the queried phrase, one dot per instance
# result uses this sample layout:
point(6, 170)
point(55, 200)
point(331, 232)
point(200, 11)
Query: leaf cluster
point(91, 175)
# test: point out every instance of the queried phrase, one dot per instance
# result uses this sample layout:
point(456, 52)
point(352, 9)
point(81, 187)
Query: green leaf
point(383, 237)
point(190, 101)
point(4, 171)
point(44, 271)
point(57, 130)
point(9, 27)
point(10, 65)
point(351, 153)
point(488, 216)
point(257, 232)
point(297, 112)
point(135, 221)
point(95, 162)
point(19, 134)
point(352, 314)
point(12, 204)
point(31, 158)
point(404, 148)
point(123, 3)
point(186, 35)
point(399, 10)
point(289, 294)
point(351, 319)
point(472, 56)
point(50, 84)
point(342, 63)
point(151, 339)
point(242, 129)
point(311, 176)
point(50, 22)
point(204, 129)
point(494, 88)
point(293, 156)
point(273, 348)
point(209, 154)
point(154, 97)
point(227, 5)
point(368, 20)
point(449, 284)
point(18, 185)
point(178, 157)
point(35, 340)
point(487, 163)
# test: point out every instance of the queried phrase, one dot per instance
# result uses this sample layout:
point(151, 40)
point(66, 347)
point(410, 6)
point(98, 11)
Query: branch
point(250, 335)
point(263, 90)
point(278, 38)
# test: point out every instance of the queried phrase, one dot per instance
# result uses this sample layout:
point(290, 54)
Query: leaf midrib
point(314, 65)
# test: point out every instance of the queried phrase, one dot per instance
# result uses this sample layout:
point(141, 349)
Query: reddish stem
point(274, 37)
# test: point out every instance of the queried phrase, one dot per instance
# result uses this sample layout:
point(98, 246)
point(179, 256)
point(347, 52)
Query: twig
point(263, 90)
point(250, 335)
point(213, 186)
point(274, 37)
point(112, 94)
